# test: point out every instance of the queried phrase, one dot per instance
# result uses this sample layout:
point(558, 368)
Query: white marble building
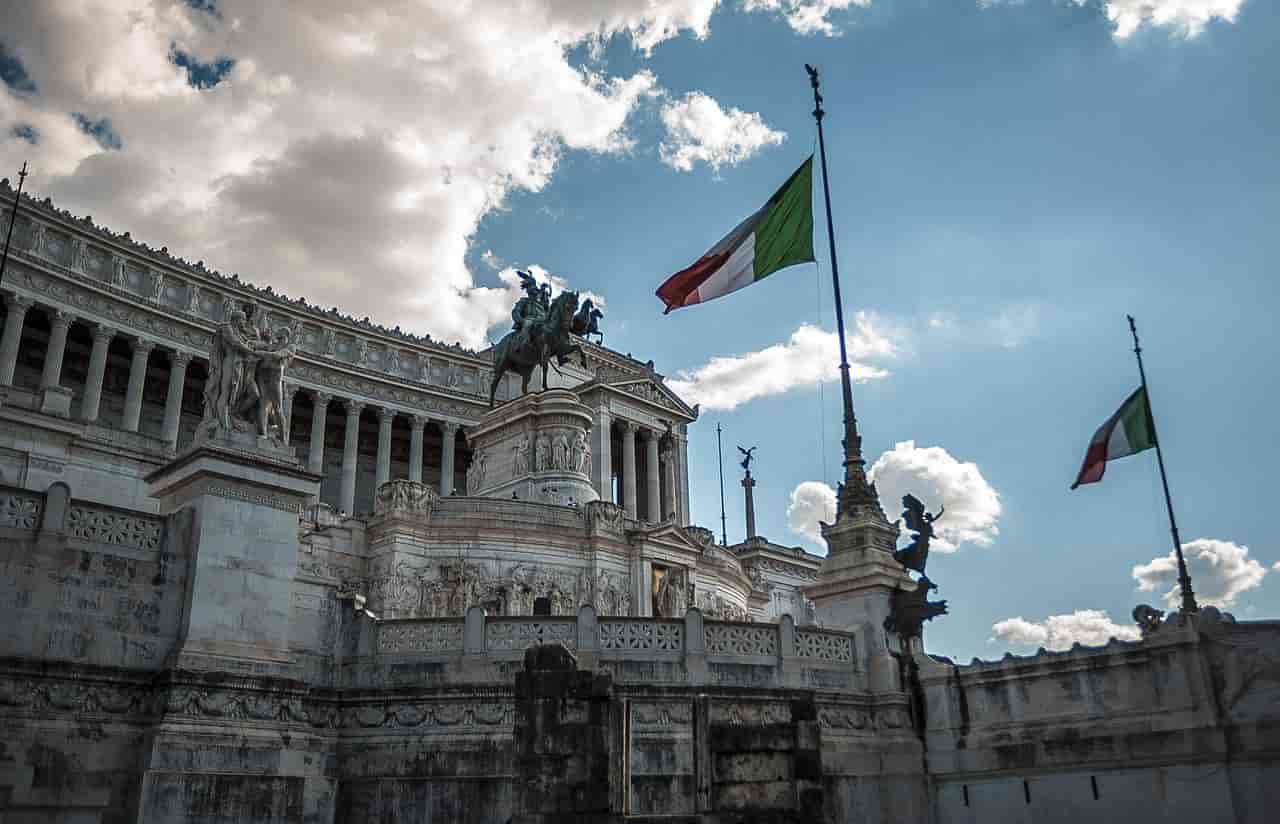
point(366, 622)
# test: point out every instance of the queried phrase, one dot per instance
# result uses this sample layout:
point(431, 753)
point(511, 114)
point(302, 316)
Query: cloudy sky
point(1010, 177)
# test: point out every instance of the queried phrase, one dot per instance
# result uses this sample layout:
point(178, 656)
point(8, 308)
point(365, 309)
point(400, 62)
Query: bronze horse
point(550, 338)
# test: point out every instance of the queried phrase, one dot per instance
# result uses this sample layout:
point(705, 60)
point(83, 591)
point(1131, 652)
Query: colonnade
point(661, 499)
point(60, 322)
point(141, 349)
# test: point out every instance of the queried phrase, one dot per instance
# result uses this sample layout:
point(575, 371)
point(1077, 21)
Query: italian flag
point(1127, 432)
point(777, 236)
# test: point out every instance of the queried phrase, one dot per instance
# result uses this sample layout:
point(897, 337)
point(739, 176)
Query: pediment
point(653, 391)
point(667, 532)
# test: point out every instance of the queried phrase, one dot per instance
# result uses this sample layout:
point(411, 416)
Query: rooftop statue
point(541, 329)
point(245, 389)
point(916, 555)
point(747, 457)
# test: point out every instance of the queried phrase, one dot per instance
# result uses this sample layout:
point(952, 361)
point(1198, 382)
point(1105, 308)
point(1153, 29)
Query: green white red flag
point(1127, 432)
point(778, 235)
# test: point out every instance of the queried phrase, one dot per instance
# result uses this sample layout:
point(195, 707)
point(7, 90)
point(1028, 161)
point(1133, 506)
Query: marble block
point(246, 501)
point(56, 400)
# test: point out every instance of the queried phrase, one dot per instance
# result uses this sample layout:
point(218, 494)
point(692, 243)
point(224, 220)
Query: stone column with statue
point(245, 488)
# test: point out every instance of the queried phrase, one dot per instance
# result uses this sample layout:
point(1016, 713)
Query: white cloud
point(811, 356)
point(698, 129)
point(347, 158)
point(806, 16)
point(1276, 566)
point(1186, 18)
point(811, 502)
point(1092, 627)
point(936, 478)
point(1220, 571)
point(932, 475)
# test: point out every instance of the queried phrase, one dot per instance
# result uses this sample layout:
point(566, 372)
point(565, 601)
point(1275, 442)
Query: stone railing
point(641, 650)
point(55, 513)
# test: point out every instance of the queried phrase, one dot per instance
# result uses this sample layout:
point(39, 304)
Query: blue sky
point(1008, 180)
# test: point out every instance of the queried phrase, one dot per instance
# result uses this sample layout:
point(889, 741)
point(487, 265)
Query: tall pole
point(724, 534)
point(1184, 580)
point(13, 215)
point(854, 475)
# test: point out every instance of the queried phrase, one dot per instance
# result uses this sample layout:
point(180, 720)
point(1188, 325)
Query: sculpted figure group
point(550, 452)
point(245, 389)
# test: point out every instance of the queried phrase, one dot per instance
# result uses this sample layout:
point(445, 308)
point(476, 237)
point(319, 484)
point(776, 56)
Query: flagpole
point(1184, 580)
point(854, 487)
point(13, 216)
point(724, 534)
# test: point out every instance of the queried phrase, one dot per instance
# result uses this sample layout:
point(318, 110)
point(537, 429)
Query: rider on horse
point(532, 308)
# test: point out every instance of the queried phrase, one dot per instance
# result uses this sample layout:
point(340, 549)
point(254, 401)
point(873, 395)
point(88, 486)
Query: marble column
point(653, 476)
point(59, 322)
point(682, 477)
point(286, 412)
point(319, 414)
point(102, 336)
point(137, 375)
point(628, 467)
point(602, 454)
point(416, 425)
point(18, 307)
point(173, 401)
point(449, 430)
point(385, 418)
point(347, 500)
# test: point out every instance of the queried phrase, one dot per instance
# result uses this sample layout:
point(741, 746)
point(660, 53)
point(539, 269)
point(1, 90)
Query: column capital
point(648, 433)
point(387, 414)
point(102, 332)
point(627, 427)
point(141, 344)
point(354, 408)
point(180, 359)
point(418, 422)
point(17, 302)
point(321, 398)
point(59, 316)
point(449, 428)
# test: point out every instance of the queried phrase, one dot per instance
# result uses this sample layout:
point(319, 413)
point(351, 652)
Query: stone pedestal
point(56, 400)
point(246, 494)
point(855, 587)
point(535, 448)
point(748, 489)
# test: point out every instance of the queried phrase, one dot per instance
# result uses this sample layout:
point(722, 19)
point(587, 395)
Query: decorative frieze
point(20, 509)
point(752, 714)
point(420, 636)
point(519, 635)
point(107, 526)
point(661, 714)
point(741, 639)
point(640, 634)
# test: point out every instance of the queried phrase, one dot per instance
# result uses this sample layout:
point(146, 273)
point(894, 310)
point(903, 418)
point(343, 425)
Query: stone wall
point(1182, 726)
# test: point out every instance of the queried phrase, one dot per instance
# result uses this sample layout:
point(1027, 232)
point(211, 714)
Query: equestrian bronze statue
point(541, 329)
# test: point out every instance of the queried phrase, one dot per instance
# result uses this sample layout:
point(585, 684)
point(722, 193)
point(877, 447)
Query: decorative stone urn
point(534, 448)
